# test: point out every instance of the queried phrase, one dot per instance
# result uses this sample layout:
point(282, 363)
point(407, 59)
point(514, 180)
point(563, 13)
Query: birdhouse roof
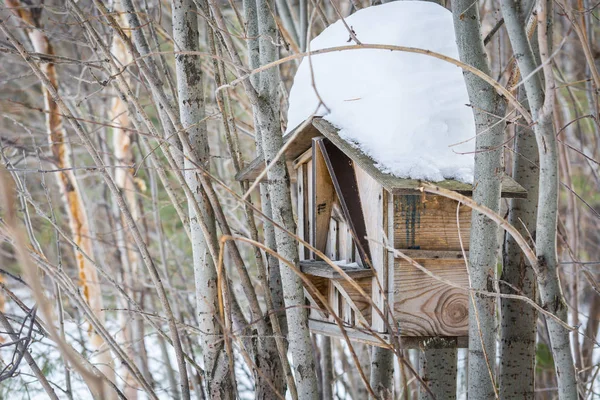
point(300, 140)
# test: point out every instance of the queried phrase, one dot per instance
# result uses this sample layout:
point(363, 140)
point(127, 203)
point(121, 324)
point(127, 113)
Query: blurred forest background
point(132, 265)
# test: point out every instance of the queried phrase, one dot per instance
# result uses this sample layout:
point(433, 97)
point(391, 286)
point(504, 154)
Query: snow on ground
point(402, 109)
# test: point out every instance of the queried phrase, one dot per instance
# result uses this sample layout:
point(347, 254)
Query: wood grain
point(425, 306)
point(324, 195)
point(428, 222)
point(360, 305)
point(321, 268)
point(364, 336)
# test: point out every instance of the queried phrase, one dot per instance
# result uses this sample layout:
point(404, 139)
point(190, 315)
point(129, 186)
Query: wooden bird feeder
point(347, 209)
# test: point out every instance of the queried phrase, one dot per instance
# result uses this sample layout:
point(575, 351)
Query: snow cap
point(404, 110)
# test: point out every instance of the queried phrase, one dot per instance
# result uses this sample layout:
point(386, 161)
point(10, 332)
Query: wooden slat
point(301, 210)
point(371, 199)
point(307, 155)
point(424, 306)
point(308, 210)
point(322, 269)
point(434, 254)
point(318, 308)
point(324, 195)
point(428, 222)
point(299, 142)
point(359, 336)
point(357, 302)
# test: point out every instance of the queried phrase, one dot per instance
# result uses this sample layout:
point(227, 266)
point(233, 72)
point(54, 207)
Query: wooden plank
point(344, 181)
point(396, 185)
point(424, 306)
point(317, 307)
point(371, 199)
point(428, 222)
point(333, 240)
point(323, 195)
point(361, 336)
point(309, 187)
point(322, 269)
point(355, 300)
point(301, 210)
point(307, 155)
point(299, 142)
point(435, 254)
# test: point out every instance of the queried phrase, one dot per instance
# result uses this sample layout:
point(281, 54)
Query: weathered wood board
point(324, 195)
point(355, 300)
point(425, 306)
point(377, 339)
point(429, 222)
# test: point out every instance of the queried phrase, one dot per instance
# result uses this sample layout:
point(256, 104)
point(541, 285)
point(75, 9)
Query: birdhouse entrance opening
point(330, 215)
point(330, 218)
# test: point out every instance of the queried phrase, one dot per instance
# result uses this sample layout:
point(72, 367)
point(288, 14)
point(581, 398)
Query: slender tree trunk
point(438, 369)
point(124, 179)
point(541, 105)
point(327, 368)
point(382, 372)
point(519, 320)
point(488, 109)
point(192, 114)
point(70, 191)
point(518, 325)
point(280, 196)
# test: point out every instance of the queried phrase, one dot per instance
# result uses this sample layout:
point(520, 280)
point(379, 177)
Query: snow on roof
point(404, 110)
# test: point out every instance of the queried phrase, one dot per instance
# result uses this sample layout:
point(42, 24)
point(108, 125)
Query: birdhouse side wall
point(377, 207)
point(434, 231)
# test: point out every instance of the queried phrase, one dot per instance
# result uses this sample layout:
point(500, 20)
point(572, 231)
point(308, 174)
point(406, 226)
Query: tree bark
point(438, 369)
point(382, 372)
point(279, 190)
point(69, 189)
point(192, 114)
point(541, 105)
point(488, 109)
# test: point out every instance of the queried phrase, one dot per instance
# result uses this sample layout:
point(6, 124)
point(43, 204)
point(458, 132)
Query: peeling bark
point(69, 189)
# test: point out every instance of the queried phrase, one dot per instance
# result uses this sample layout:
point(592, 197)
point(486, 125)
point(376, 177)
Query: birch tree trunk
point(541, 105)
point(125, 181)
point(327, 368)
point(69, 190)
point(488, 109)
point(382, 372)
point(192, 114)
point(518, 320)
point(269, 126)
point(438, 369)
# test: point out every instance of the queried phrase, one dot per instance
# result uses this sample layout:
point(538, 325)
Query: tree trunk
point(70, 191)
point(382, 372)
point(541, 105)
point(281, 206)
point(488, 108)
point(125, 181)
point(518, 320)
point(192, 114)
point(438, 369)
